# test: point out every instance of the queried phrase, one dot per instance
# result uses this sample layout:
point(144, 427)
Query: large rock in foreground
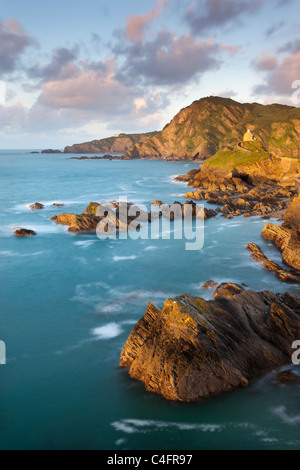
point(194, 349)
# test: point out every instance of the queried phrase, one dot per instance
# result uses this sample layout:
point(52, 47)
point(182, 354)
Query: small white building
point(249, 136)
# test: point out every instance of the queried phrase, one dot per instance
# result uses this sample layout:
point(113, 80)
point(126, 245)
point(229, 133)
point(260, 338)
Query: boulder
point(194, 349)
point(24, 232)
point(36, 206)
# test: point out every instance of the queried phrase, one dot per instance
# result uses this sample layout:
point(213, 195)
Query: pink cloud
point(136, 25)
point(279, 74)
point(87, 89)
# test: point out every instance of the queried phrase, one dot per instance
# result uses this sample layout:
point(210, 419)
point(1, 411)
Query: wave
point(84, 243)
point(111, 330)
point(107, 299)
point(280, 411)
point(130, 426)
point(20, 255)
point(124, 258)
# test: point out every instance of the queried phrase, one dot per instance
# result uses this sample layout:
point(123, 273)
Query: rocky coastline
point(193, 348)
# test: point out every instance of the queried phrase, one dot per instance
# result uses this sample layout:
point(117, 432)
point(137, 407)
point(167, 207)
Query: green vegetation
point(232, 159)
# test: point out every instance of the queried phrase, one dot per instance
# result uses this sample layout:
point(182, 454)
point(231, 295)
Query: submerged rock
point(287, 376)
point(194, 349)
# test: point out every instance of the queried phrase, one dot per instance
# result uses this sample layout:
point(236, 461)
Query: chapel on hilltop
point(249, 136)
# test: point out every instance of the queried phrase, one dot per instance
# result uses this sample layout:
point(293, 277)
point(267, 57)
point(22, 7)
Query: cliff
point(112, 145)
point(194, 349)
point(213, 124)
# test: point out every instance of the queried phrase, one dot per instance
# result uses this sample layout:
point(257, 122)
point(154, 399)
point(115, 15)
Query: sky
point(72, 71)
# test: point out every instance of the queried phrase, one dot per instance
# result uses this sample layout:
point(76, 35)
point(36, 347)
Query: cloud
point(279, 74)
point(89, 88)
point(227, 93)
point(14, 40)
point(168, 59)
point(265, 63)
point(136, 26)
point(274, 28)
point(217, 13)
point(60, 65)
point(291, 47)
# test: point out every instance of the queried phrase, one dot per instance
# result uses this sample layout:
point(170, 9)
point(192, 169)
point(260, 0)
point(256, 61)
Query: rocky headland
point(117, 144)
point(194, 349)
point(213, 124)
point(250, 183)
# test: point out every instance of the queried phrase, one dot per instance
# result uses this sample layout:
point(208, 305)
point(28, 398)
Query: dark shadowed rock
point(287, 376)
point(194, 349)
point(24, 232)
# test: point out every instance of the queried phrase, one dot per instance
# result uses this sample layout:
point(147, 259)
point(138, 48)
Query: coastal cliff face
point(112, 145)
point(213, 124)
point(287, 236)
point(194, 349)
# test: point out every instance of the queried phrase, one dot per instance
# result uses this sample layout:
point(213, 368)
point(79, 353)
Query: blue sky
point(81, 70)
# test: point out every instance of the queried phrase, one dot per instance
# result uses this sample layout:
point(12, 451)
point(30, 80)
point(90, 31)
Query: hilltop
point(114, 145)
point(215, 124)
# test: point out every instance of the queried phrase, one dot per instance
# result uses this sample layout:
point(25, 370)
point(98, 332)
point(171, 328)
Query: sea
point(69, 302)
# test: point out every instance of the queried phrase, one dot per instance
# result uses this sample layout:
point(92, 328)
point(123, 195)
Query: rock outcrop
point(126, 216)
point(24, 232)
point(261, 187)
point(287, 236)
point(36, 206)
point(194, 349)
point(287, 275)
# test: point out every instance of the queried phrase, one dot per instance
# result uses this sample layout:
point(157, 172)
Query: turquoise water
point(69, 302)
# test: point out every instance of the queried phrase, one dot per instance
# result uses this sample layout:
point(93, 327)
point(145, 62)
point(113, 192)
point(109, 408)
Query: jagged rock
point(194, 349)
point(287, 236)
point(209, 285)
point(227, 289)
point(157, 203)
point(281, 273)
point(24, 232)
